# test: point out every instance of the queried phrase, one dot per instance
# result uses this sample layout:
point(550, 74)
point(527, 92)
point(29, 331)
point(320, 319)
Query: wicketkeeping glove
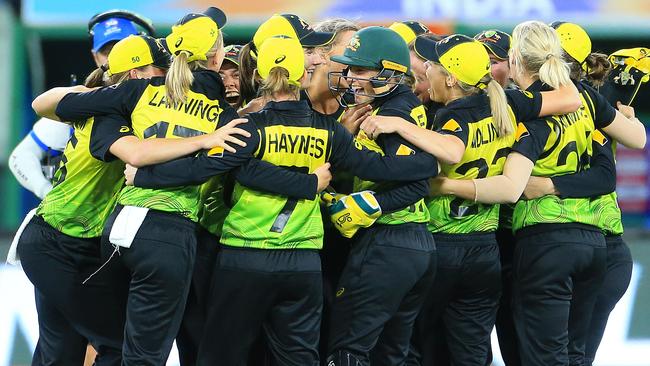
point(353, 212)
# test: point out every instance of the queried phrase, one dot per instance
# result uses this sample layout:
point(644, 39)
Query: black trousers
point(505, 324)
point(462, 304)
point(388, 273)
point(333, 256)
point(70, 313)
point(557, 273)
point(159, 265)
point(278, 292)
point(191, 330)
point(617, 279)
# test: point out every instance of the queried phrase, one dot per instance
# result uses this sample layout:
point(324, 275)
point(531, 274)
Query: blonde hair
point(537, 51)
point(498, 102)
point(278, 82)
point(180, 77)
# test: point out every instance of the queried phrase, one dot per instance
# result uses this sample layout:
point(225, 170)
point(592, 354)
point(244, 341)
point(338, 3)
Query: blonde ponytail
point(278, 83)
point(178, 79)
point(537, 51)
point(554, 71)
point(499, 108)
point(501, 115)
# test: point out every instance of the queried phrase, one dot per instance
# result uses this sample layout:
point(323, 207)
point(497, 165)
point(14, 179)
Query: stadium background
point(42, 42)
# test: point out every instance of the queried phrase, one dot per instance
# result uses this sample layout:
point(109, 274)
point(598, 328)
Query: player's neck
point(283, 97)
point(524, 81)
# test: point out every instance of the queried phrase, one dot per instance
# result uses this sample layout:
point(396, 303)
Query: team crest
point(354, 44)
point(489, 36)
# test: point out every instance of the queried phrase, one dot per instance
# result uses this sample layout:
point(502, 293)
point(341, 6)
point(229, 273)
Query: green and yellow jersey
point(608, 214)
point(610, 217)
point(290, 135)
point(470, 120)
point(596, 183)
point(87, 181)
point(404, 104)
point(561, 145)
point(143, 103)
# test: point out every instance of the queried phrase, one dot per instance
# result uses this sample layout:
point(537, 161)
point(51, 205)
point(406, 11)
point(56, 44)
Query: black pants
point(278, 292)
point(557, 274)
point(333, 257)
point(191, 330)
point(71, 314)
point(388, 273)
point(462, 303)
point(505, 324)
point(617, 279)
point(159, 264)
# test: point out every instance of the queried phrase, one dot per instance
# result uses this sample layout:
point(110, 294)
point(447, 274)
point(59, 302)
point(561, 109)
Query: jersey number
point(159, 130)
point(571, 147)
point(457, 206)
point(63, 170)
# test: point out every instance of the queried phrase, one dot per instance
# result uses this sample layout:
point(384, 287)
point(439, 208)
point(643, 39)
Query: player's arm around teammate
point(539, 150)
point(166, 217)
point(286, 119)
point(69, 222)
point(476, 115)
point(399, 239)
point(594, 68)
point(34, 160)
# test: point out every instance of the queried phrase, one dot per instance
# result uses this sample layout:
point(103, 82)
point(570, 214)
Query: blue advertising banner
point(622, 13)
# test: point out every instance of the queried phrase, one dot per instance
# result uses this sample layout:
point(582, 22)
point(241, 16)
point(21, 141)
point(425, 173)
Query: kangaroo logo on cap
point(178, 42)
point(280, 59)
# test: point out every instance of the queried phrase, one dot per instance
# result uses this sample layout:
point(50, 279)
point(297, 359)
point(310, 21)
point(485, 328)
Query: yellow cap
point(284, 52)
point(575, 41)
point(461, 56)
point(136, 51)
point(409, 30)
point(292, 26)
point(195, 35)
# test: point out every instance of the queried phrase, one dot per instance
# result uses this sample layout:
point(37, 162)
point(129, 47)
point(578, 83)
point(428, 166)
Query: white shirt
point(25, 159)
